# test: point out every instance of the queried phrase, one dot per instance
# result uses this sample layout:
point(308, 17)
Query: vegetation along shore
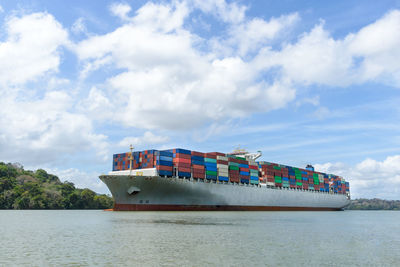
point(24, 189)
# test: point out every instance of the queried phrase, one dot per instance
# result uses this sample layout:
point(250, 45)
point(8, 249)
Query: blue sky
point(302, 81)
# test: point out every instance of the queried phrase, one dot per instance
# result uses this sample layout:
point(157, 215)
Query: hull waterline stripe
point(155, 207)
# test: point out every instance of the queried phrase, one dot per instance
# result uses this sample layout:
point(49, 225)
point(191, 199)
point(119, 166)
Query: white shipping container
point(136, 172)
point(222, 158)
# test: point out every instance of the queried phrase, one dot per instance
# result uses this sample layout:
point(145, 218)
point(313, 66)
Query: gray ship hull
point(159, 193)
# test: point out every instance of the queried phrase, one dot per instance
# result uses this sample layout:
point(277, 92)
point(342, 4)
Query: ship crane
point(247, 155)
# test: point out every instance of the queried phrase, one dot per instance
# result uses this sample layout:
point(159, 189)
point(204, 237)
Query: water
point(100, 238)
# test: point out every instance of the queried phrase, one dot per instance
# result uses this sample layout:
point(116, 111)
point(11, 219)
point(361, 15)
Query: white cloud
point(31, 48)
point(79, 26)
point(255, 33)
point(148, 138)
point(371, 54)
point(227, 12)
point(42, 130)
point(369, 178)
point(166, 82)
point(120, 10)
point(1, 9)
point(159, 17)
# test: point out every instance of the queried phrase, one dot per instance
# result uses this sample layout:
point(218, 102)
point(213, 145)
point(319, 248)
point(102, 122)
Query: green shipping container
point(285, 185)
point(233, 164)
point(277, 168)
point(211, 173)
point(298, 183)
point(210, 160)
point(253, 182)
point(236, 168)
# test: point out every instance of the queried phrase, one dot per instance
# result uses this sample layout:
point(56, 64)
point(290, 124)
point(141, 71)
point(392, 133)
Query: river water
point(103, 238)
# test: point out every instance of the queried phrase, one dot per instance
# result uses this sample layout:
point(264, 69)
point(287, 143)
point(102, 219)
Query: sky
point(305, 82)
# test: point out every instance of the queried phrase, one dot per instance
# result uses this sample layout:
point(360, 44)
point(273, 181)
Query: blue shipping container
point(165, 158)
point(165, 173)
point(223, 178)
point(244, 181)
point(184, 174)
point(166, 153)
point(244, 173)
point(196, 162)
point(209, 168)
point(164, 163)
point(211, 177)
point(197, 158)
point(183, 151)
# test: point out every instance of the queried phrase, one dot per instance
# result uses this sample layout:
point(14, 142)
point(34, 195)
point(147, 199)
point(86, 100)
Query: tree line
point(374, 204)
point(25, 189)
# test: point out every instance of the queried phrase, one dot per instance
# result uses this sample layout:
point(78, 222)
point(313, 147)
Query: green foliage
point(21, 189)
point(374, 204)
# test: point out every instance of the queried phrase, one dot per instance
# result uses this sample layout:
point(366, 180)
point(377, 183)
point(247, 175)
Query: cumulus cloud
point(167, 82)
point(227, 12)
point(31, 48)
point(120, 10)
point(369, 178)
point(317, 58)
point(43, 130)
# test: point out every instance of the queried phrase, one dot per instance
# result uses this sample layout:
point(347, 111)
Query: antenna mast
point(130, 159)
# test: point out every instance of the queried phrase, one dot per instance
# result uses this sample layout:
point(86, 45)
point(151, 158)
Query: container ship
point(180, 179)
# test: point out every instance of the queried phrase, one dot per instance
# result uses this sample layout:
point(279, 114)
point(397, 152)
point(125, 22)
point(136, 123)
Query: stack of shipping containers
point(223, 167)
point(210, 162)
point(198, 168)
point(182, 162)
point(164, 162)
point(233, 165)
point(244, 170)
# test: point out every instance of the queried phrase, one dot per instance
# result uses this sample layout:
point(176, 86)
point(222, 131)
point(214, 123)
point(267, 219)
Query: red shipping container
point(278, 184)
point(224, 162)
point(180, 160)
point(164, 168)
point(210, 156)
point(184, 165)
point(183, 169)
point(217, 154)
point(199, 154)
point(182, 156)
point(253, 167)
point(244, 169)
point(234, 179)
point(198, 167)
point(198, 175)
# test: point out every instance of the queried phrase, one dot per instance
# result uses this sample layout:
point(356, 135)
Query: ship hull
point(154, 193)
